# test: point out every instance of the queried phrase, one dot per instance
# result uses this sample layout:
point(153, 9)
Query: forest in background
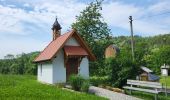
point(151, 52)
point(19, 65)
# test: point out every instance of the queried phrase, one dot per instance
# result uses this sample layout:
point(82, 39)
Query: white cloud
point(116, 15)
point(28, 23)
point(65, 11)
point(17, 46)
point(163, 5)
point(43, 15)
point(26, 5)
point(148, 29)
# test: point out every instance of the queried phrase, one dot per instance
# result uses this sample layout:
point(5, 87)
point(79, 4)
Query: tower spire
point(56, 29)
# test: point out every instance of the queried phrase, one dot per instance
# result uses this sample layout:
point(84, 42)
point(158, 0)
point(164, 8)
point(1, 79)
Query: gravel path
point(110, 94)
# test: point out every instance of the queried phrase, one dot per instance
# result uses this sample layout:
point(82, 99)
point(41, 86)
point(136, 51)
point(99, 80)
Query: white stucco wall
point(59, 71)
point(72, 41)
point(55, 72)
point(84, 68)
point(46, 74)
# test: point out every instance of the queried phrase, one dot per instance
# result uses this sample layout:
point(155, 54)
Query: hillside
point(20, 87)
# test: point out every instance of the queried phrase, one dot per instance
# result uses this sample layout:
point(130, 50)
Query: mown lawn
point(162, 80)
point(20, 87)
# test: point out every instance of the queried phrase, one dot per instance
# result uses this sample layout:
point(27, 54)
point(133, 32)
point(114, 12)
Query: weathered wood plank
point(140, 89)
point(144, 83)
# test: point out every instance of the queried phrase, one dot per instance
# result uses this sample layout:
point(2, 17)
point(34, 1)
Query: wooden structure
point(111, 51)
point(147, 75)
point(144, 86)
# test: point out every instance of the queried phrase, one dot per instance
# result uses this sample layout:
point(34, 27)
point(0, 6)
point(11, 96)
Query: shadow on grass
point(148, 96)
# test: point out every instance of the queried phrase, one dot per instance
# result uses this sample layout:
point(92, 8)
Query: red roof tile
point(51, 50)
point(53, 47)
point(75, 51)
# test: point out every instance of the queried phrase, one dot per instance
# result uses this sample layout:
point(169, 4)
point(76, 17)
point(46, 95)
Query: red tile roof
point(75, 51)
point(52, 49)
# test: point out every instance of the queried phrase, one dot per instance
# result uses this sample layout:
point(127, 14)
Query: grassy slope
point(26, 87)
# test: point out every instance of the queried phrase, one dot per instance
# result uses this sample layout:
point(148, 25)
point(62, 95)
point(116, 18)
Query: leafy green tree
point(141, 49)
point(157, 58)
point(164, 55)
point(120, 69)
point(91, 26)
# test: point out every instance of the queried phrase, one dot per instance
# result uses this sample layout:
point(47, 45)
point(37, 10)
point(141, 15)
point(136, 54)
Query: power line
point(152, 15)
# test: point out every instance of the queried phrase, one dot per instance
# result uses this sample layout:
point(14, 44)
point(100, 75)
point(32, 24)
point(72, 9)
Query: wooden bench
point(144, 86)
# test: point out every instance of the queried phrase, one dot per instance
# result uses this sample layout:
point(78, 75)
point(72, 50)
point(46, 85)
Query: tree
point(20, 65)
point(120, 69)
point(157, 58)
point(91, 26)
point(9, 56)
point(141, 49)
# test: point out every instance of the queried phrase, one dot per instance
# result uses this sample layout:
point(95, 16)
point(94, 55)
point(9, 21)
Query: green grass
point(148, 96)
point(20, 87)
point(162, 80)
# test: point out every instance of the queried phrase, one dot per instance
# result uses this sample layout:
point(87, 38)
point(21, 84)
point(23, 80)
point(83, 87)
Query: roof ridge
point(70, 33)
point(54, 46)
point(43, 50)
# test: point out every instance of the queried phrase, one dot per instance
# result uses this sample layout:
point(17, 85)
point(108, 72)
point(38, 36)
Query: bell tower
point(56, 30)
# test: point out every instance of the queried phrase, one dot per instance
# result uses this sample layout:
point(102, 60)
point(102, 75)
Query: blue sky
point(26, 24)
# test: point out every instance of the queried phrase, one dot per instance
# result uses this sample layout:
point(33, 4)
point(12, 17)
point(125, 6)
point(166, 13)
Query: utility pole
point(132, 40)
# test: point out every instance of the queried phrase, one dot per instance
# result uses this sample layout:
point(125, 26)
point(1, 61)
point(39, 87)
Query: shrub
point(96, 81)
point(76, 82)
point(123, 68)
point(85, 86)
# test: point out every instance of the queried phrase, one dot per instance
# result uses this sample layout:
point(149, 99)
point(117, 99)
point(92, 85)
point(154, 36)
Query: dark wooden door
point(71, 67)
